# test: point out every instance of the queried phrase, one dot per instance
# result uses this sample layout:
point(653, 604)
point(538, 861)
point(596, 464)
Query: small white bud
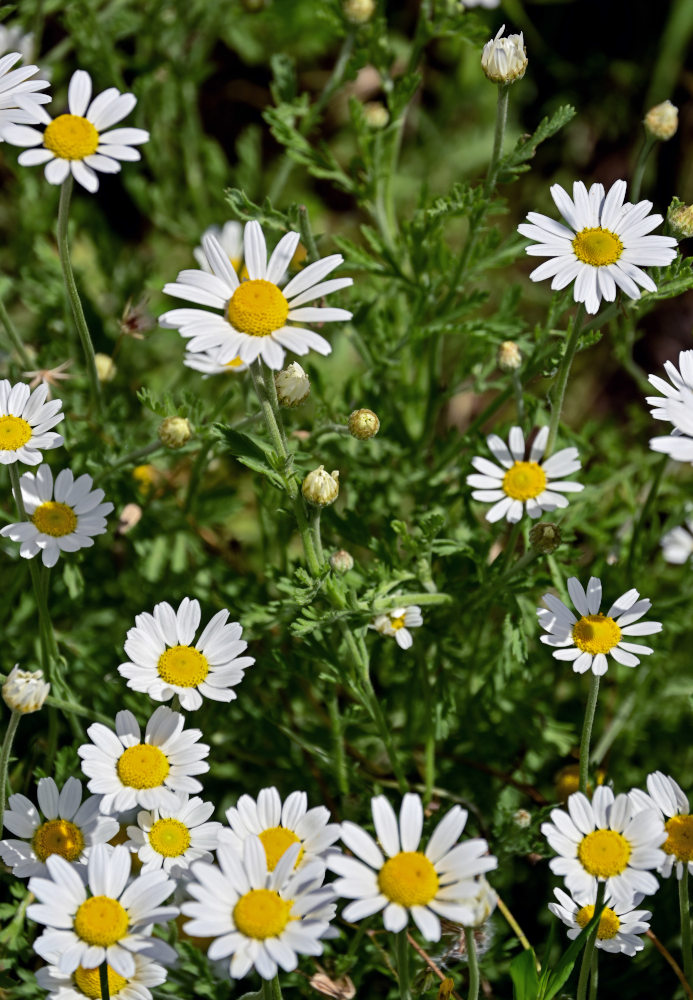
point(341, 561)
point(680, 219)
point(359, 11)
point(293, 385)
point(363, 424)
point(376, 114)
point(662, 121)
point(321, 488)
point(509, 356)
point(522, 818)
point(174, 432)
point(482, 903)
point(504, 60)
point(25, 691)
point(105, 368)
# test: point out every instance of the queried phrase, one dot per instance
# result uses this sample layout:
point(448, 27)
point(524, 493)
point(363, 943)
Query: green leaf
point(523, 972)
point(252, 451)
point(516, 161)
point(558, 976)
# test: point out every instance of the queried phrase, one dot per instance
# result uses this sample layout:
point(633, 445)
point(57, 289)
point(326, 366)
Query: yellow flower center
point(142, 766)
point(262, 913)
point(397, 623)
point(14, 433)
point(604, 853)
point(101, 921)
point(276, 840)
point(597, 247)
point(169, 837)
point(234, 363)
point(409, 879)
point(183, 666)
point(524, 481)
point(56, 519)
point(88, 982)
point(608, 922)
point(596, 634)
point(680, 839)
point(257, 307)
point(71, 137)
point(58, 836)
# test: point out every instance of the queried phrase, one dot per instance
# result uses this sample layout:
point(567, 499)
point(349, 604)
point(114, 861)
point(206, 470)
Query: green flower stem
point(639, 170)
point(586, 966)
point(587, 732)
point(73, 294)
point(276, 988)
point(594, 975)
point(307, 237)
point(315, 525)
point(404, 600)
point(337, 726)
point(498, 136)
point(519, 398)
point(271, 990)
point(5, 758)
point(511, 545)
point(685, 912)
point(559, 386)
point(372, 702)
point(13, 336)
point(135, 456)
point(103, 980)
point(472, 962)
point(645, 512)
point(402, 963)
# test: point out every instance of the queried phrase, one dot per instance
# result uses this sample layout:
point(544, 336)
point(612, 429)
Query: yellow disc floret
point(262, 913)
point(608, 922)
point(142, 766)
point(55, 519)
point(397, 623)
point(257, 307)
point(598, 247)
point(71, 137)
point(596, 634)
point(14, 433)
point(680, 839)
point(101, 921)
point(276, 840)
point(409, 879)
point(604, 853)
point(87, 982)
point(182, 666)
point(58, 836)
point(169, 837)
point(524, 481)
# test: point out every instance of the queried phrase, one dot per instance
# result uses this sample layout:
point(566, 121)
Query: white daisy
point(64, 524)
point(604, 245)
point(605, 840)
point(677, 544)
point(25, 423)
point(207, 363)
point(13, 39)
point(398, 622)
point(84, 984)
point(254, 313)
point(278, 826)
point(262, 919)
point(439, 882)
point(668, 798)
point(675, 405)
point(587, 640)
point(522, 482)
point(620, 925)
point(20, 99)
point(230, 239)
point(174, 838)
point(130, 772)
point(164, 663)
point(76, 142)
point(69, 827)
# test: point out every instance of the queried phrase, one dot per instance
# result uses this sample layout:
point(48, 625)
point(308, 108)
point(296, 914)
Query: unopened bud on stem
point(363, 424)
point(504, 60)
point(321, 488)
point(662, 121)
point(174, 432)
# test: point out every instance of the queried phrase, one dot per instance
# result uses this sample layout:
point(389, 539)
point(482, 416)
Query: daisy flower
point(437, 882)
point(20, 100)
point(69, 827)
point(207, 363)
point(251, 317)
point(620, 925)
point(25, 423)
point(81, 142)
point(130, 772)
point(164, 663)
point(606, 840)
point(668, 799)
point(587, 640)
point(279, 826)
point(675, 405)
point(398, 622)
point(230, 239)
point(65, 524)
point(522, 481)
point(603, 246)
point(84, 984)
point(262, 918)
point(102, 921)
point(677, 544)
point(175, 837)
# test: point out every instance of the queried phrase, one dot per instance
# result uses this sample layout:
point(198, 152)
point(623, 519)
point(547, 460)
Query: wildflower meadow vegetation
point(346, 424)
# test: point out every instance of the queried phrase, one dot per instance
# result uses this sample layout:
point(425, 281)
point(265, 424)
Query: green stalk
point(103, 979)
point(586, 966)
point(472, 962)
point(341, 769)
point(5, 759)
point(559, 386)
point(594, 974)
point(402, 961)
point(376, 712)
point(639, 170)
point(646, 507)
point(276, 988)
point(587, 732)
point(498, 136)
point(685, 912)
point(13, 336)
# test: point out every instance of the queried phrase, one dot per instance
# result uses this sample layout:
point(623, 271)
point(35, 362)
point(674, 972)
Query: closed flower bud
point(293, 385)
point(321, 488)
point(105, 369)
point(662, 121)
point(376, 114)
point(359, 11)
point(680, 219)
point(174, 432)
point(363, 424)
point(342, 561)
point(545, 538)
point(522, 818)
point(504, 60)
point(509, 356)
point(483, 902)
point(25, 691)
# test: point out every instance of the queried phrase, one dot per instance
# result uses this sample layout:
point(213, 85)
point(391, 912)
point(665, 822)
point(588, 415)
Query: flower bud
point(359, 11)
point(522, 818)
point(504, 60)
point(545, 537)
point(25, 691)
point(321, 488)
point(105, 368)
point(662, 121)
point(482, 903)
point(174, 432)
point(293, 385)
point(680, 219)
point(363, 424)
point(342, 561)
point(376, 114)
point(509, 356)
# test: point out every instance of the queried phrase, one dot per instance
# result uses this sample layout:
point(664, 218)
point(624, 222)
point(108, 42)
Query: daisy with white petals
point(20, 100)
point(230, 239)
point(437, 882)
point(104, 920)
point(84, 984)
point(64, 524)
point(668, 798)
point(677, 544)
point(129, 771)
point(397, 622)
point(523, 481)
point(206, 362)
point(675, 405)
point(621, 925)
point(603, 246)
point(587, 640)
point(261, 918)
point(173, 838)
point(253, 317)
point(164, 663)
point(26, 420)
point(606, 840)
point(82, 141)
point(69, 827)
